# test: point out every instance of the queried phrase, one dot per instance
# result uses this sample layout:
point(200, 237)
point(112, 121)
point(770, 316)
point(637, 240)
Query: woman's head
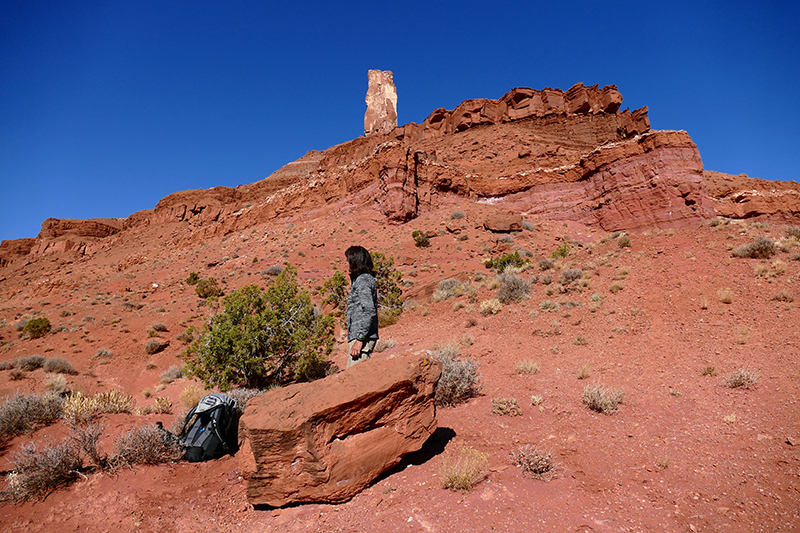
point(359, 260)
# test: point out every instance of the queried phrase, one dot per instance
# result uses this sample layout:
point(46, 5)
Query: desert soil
point(682, 453)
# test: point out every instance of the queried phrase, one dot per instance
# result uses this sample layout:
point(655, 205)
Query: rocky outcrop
point(14, 249)
point(745, 197)
point(381, 115)
point(327, 440)
point(53, 228)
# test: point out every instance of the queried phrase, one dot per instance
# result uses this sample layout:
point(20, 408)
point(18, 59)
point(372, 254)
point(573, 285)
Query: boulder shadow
point(434, 446)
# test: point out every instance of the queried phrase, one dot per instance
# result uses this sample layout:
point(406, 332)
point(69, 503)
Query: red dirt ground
point(683, 453)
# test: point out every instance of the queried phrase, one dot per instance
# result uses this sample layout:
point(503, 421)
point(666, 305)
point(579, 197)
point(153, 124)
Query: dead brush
point(446, 289)
point(602, 399)
point(146, 445)
point(534, 463)
point(462, 470)
point(512, 288)
point(38, 471)
point(741, 378)
point(161, 405)
point(459, 381)
point(21, 414)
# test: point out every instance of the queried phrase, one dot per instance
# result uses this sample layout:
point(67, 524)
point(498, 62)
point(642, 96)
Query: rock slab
point(327, 440)
point(381, 115)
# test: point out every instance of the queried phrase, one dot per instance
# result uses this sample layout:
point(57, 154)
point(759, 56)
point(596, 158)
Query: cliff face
point(550, 154)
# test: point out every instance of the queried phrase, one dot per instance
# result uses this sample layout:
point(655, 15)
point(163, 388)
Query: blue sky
point(108, 106)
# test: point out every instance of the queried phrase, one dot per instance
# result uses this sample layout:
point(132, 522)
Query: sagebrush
point(459, 381)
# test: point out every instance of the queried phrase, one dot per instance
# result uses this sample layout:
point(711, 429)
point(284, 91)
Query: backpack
point(208, 431)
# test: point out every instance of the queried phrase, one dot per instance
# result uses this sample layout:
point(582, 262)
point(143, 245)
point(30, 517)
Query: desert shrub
point(193, 278)
point(536, 400)
point(159, 327)
point(602, 399)
point(80, 408)
point(547, 279)
point(563, 250)
point(506, 407)
point(624, 241)
point(446, 289)
point(547, 305)
point(584, 372)
point(207, 288)
point(6, 365)
point(527, 367)
point(102, 353)
point(36, 328)
point(527, 226)
point(793, 232)
point(570, 275)
point(421, 239)
point(154, 346)
point(457, 215)
point(491, 307)
point(389, 283)
point(263, 338)
point(545, 264)
point(725, 296)
point(148, 445)
point(580, 341)
point(512, 288)
point(459, 381)
point(191, 395)
point(534, 463)
point(86, 437)
point(335, 291)
point(185, 337)
point(741, 378)
point(761, 248)
point(17, 374)
point(508, 239)
point(58, 365)
point(615, 288)
point(272, 271)
point(161, 405)
point(37, 472)
point(783, 296)
point(242, 396)
point(56, 384)
point(174, 372)
point(508, 260)
point(30, 363)
point(24, 413)
point(708, 371)
point(462, 470)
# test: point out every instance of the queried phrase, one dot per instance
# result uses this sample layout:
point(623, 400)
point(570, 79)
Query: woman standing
point(362, 306)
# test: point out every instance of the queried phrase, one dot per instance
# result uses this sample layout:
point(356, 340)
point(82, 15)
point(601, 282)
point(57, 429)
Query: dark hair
point(359, 259)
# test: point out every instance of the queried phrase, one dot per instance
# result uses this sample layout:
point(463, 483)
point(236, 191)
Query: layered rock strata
point(381, 99)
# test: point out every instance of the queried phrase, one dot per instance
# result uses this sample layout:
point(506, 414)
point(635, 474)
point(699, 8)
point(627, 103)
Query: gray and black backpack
point(209, 430)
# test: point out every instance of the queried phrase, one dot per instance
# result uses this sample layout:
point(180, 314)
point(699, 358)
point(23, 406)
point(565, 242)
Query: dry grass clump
point(162, 406)
point(570, 275)
point(708, 371)
point(242, 396)
point(741, 378)
point(624, 241)
point(57, 365)
point(527, 367)
point(446, 289)
point(534, 463)
point(462, 470)
point(102, 353)
point(725, 296)
point(459, 381)
point(584, 372)
point(147, 445)
point(761, 248)
point(793, 232)
point(615, 288)
point(24, 413)
point(185, 337)
point(512, 288)
point(56, 384)
point(81, 408)
point(602, 399)
point(384, 344)
point(490, 307)
point(783, 296)
point(174, 372)
point(536, 399)
point(506, 407)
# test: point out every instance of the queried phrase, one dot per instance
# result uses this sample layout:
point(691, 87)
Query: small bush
point(741, 378)
point(547, 305)
point(57, 365)
point(185, 337)
point(624, 242)
point(174, 372)
point(725, 296)
point(462, 470)
point(545, 264)
point(193, 278)
point(421, 239)
point(459, 381)
point(793, 232)
point(103, 353)
point(56, 384)
point(490, 307)
point(37, 472)
point(563, 250)
point(527, 367)
point(547, 279)
point(457, 215)
point(527, 226)
point(509, 260)
point(570, 275)
point(534, 463)
point(17, 374)
point(30, 363)
point(580, 341)
point(36, 328)
point(159, 327)
point(242, 396)
point(506, 407)
point(536, 400)
point(79, 408)
point(384, 344)
point(584, 372)
point(272, 271)
point(207, 288)
point(783, 296)
point(761, 248)
point(25, 413)
point(148, 445)
point(154, 346)
point(162, 405)
point(446, 289)
point(602, 399)
point(512, 289)
point(615, 288)
point(708, 371)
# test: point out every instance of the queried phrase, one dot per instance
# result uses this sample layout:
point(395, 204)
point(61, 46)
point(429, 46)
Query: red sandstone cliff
point(550, 154)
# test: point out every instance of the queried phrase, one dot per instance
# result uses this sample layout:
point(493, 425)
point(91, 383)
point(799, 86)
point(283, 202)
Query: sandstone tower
point(381, 115)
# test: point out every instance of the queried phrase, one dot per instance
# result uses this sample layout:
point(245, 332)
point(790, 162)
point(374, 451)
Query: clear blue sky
point(108, 106)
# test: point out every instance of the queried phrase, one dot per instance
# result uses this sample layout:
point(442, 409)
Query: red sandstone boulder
point(502, 221)
point(327, 440)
